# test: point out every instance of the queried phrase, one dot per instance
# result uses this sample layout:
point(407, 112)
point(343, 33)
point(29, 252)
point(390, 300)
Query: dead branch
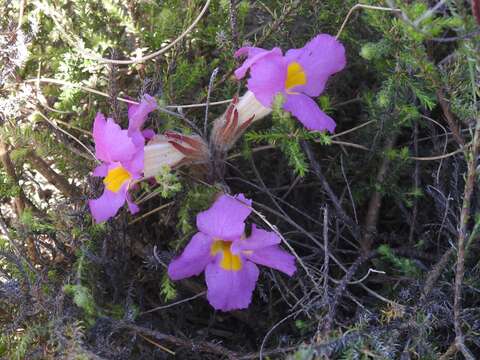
point(340, 289)
point(452, 350)
point(317, 170)
point(416, 184)
point(57, 180)
point(202, 346)
point(375, 203)
point(435, 273)
point(462, 236)
point(21, 201)
point(452, 123)
point(476, 10)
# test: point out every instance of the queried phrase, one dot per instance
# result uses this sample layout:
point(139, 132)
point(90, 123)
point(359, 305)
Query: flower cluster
point(227, 256)
point(221, 248)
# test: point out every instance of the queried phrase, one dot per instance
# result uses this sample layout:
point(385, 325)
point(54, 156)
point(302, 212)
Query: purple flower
point(121, 153)
point(298, 75)
point(227, 257)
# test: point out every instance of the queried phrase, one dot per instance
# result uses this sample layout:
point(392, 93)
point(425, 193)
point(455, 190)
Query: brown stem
point(435, 273)
point(452, 123)
point(462, 236)
point(375, 203)
point(340, 289)
point(20, 201)
point(57, 180)
point(317, 170)
point(233, 23)
point(416, 181)
point(200, 346)
point(452, 350)
point(476, 10)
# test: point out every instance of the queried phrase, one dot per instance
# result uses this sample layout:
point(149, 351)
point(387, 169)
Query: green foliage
point(3, 345)
point(305, 352)
point(353, 351)
point(402, 154)
point(286, 135)
point(33, 224)
point(83, 298)
point(375, 51)
point(18, 154)
point(72, 345)
point(187, 75)
point(168, 182)
point(406, 266)
point(7, 187)
point(167, 288)
point(25, 341)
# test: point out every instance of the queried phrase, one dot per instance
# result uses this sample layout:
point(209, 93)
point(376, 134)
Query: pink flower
point(298, 75)
point(227, 257)
point(121, 153)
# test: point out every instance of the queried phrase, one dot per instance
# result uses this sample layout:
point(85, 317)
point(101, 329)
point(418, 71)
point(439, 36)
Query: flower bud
point(240, 114)
point(173, 149)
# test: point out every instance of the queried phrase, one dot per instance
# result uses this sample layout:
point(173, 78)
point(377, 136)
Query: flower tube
point(240, 114)
point(173, 149)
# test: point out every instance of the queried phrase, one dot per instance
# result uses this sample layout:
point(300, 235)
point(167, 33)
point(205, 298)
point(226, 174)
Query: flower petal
point(230, 290)
point(107, 205)
point(257, 240)
point(136, 164)
point(194, 258)
point(111, 142)
point(225, 218)
point(138, 139)
point(320, 58)
point(267, 77)
point(100, 170)
point(275, 258)
point(148, 134)
point(132, 207)
point(137, 114)
point(254, 54)
point(307, 111)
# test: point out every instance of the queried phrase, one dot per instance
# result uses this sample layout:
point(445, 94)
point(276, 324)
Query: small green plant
point(167, 287)
point(406, 266)
point(83, 298)
point(168, 182)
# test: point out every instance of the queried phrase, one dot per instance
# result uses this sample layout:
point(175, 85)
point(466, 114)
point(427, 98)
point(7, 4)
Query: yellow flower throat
point(229, 262)
point(295, 76)
point(116, 178)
